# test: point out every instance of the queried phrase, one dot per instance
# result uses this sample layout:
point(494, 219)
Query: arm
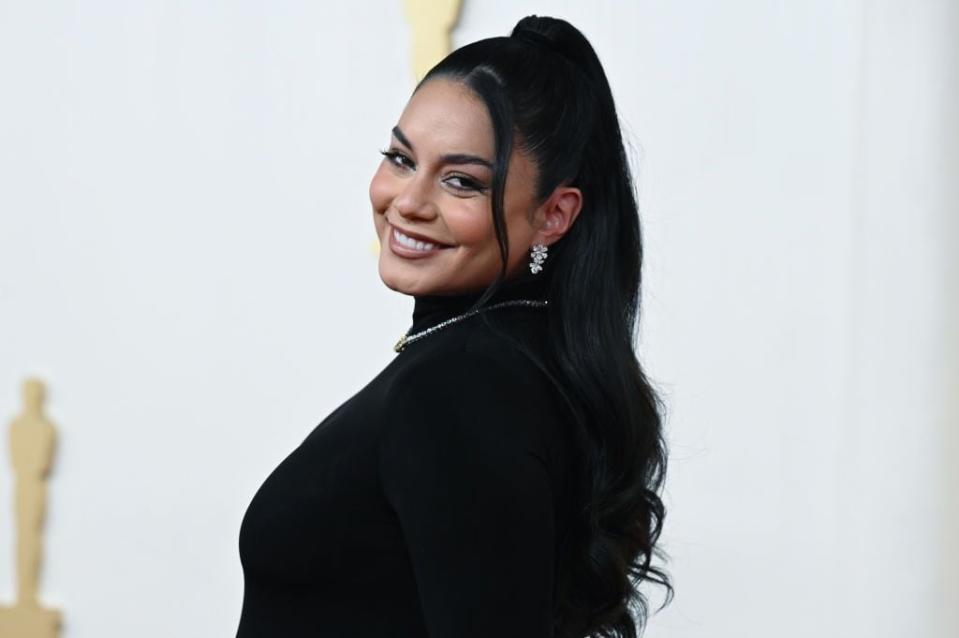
point(460, 464)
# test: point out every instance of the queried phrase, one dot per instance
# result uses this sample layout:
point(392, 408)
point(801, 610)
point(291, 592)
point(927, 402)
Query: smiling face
point(434, 185)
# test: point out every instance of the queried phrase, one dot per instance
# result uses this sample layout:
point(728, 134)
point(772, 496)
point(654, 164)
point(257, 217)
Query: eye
point(396, 158)
point(466, 184)
point(457, 182)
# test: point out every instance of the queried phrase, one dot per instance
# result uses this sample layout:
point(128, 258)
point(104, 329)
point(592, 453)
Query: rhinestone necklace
point(410, 338)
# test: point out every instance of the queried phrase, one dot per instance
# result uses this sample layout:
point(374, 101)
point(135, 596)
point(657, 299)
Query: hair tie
point(538, 39)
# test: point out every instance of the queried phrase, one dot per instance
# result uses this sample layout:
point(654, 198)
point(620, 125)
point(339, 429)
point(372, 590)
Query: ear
point(557, 214)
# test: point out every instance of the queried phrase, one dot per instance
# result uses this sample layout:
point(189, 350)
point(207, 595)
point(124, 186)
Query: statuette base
point(29, 622)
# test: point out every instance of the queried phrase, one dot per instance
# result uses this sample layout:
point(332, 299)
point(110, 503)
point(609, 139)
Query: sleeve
point(461, 466)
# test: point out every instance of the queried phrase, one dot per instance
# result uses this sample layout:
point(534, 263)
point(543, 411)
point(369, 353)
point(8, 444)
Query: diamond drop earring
point(538, 252)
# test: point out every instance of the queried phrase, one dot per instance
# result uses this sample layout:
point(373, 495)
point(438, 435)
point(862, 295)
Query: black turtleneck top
point(432, 502)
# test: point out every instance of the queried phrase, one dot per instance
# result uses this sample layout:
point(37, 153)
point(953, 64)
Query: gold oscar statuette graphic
point(32, 440)
point(430, 22)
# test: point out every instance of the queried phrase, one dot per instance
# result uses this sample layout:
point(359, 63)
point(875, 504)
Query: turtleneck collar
point(429, 310)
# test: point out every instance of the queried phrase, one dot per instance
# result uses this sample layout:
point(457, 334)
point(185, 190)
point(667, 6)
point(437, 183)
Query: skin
point(449, 200)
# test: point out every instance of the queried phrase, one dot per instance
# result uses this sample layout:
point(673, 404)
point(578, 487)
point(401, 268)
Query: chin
point(396, 281)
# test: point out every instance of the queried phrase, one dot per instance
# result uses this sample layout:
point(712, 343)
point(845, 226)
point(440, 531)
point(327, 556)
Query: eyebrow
point(449, 158)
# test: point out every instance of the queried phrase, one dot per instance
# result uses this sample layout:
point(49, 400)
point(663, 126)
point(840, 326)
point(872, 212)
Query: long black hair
point(546, 91)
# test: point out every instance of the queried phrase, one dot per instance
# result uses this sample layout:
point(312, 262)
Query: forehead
point(446, 116)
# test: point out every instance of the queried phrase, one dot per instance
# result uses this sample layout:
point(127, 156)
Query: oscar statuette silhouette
point(32, 440)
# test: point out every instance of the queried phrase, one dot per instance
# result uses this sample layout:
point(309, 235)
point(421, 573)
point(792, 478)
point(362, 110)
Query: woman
point(499, 477)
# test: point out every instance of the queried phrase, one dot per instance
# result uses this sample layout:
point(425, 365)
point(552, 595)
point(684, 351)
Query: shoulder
point(463, 373)
point(474, 398)
point(463, 466)
point(504, 352)
point(462, 381)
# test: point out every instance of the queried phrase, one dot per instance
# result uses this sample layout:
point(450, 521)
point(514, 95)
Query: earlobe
point(561, 212)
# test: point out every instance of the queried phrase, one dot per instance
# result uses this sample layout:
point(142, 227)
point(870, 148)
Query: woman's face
point(434, 185)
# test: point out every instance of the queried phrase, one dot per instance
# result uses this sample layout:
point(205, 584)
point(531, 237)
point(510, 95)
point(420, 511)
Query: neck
point(429, 310)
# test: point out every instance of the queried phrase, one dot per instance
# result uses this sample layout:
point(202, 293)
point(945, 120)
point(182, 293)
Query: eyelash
point(469, 184)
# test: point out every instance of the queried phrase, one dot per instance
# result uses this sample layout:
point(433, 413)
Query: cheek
point(381, 190)
point(471, 226)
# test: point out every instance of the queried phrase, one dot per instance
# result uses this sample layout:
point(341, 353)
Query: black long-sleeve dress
point(432, 503)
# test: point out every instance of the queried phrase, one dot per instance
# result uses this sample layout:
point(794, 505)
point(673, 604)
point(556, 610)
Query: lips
point(413, 249)
point(420, 237)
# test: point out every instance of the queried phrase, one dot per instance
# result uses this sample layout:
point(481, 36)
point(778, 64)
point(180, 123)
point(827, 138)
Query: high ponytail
point(545, 88)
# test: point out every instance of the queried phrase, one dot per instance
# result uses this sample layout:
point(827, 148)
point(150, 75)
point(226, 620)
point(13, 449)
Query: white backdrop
point(186, 258)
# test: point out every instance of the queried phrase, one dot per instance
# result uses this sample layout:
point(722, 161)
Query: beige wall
point(948, 388)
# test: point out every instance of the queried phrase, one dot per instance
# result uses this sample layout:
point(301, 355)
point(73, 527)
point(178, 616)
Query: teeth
point(409, 242)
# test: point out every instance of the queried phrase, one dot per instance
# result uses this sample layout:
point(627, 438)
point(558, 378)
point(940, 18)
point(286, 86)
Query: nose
point(415, 200)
